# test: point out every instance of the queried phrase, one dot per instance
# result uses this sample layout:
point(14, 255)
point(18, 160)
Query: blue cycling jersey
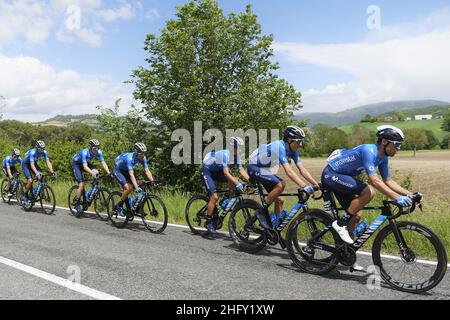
point(218, 160)
point(355, 161)
point(33, 155)
point(272, 155)
point(85, 156)
point(126, 161)
point(8, 161)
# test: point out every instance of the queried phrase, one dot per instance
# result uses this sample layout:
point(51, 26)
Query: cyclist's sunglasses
point(396, 144)
point(95, 148)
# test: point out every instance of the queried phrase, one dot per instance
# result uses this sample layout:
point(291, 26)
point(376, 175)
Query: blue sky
point(324, 48)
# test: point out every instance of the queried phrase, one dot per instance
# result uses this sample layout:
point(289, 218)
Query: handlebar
point(416, 199)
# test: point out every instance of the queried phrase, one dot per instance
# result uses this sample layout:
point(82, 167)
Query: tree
point(432, 141)
point(415, 139)
point(213, 68)
point(446, 124)
point(360, 135)
point(400, 115)
point(445, 144)
point(369, 118)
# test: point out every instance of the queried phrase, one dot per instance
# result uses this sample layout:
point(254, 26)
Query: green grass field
point(433, 125)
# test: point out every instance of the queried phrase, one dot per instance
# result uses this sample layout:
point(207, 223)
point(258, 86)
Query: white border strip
point(58, 280)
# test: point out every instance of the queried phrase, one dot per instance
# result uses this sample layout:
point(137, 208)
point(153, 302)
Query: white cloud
point(34, 22)
point(35, 91)
point(395, 64)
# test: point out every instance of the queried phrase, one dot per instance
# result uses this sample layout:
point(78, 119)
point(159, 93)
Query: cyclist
point(9, 167)
point(124, 172)
point(216, 169)
point(30, 166)
point(82, 161)
point(345, 165)
point(264, 164)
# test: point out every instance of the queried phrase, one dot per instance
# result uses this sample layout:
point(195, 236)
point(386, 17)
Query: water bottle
point(274, 219)
point(137, 201)
point(87, 194)
point(92, 192)
point(35, 190)
point(231, 203)
point(282, 215)
point(132, 201)
point(360, 228)
point(224, 203)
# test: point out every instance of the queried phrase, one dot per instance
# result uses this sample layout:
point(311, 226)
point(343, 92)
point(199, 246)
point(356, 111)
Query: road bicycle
point(16, 183)
point(419, 262)
point(246, 231)
point(41, 193)
point(96, 195)
point(146, 205)
point(196, 215)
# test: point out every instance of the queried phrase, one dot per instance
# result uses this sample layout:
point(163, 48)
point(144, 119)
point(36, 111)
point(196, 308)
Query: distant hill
point(66, 120)
point(435, 111)
point(356, 114)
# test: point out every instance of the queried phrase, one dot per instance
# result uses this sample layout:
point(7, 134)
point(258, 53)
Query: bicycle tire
point(194, 225)
point(426, 285)
point(101, 203)
point(242, 238)
point(121, 222)
point(47, 194)
point(302, 258)
point(154, 227)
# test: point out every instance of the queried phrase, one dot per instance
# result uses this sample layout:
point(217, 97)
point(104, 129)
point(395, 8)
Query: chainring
point(347, 255)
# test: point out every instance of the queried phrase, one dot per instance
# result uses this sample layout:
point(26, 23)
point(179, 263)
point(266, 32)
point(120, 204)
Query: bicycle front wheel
point(72, 200)
point(416, 266)
point(101, 204)
point(196, 212)
point(154, 214)
point(47, 200)
point(320, 256)
point(4, 189)
point(113, 214)
point(244, 229)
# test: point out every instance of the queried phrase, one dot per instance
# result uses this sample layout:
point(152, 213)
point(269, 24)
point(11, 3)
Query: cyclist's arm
point(8, 170)
point(133, 179)
point(393, 185)
point(149, 175)
point(244, 174)
point(87, 169)
point(49, 165)
point(105, 167)
point(33, 167)
point(378, 184)
point(305, 173)
point(229, 176)
point(293, 176)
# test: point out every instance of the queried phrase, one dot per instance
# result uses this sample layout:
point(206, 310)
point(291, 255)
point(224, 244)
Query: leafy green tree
point(400, 115)
point(210, 67)
point(369, 118)
point(415, 139)
point(360, 135)
point(432, 141)
point(445, 144)
point(446, 124)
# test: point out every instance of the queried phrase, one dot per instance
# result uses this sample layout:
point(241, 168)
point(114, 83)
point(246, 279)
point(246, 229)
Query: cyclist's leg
point(125, 182)
point(7, 177)
point(273, 184)
point(351, 193)
point(210, 186)
point(27, 172)
point(78, 175)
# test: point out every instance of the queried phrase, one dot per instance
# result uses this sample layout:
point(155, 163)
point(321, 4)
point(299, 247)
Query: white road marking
point(58, 280)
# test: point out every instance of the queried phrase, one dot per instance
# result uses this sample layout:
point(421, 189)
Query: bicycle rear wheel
point(311, 258)
point(101, 204)
point(195, 213)
point(154, 214)
point(423, 263)
point(72, 200)
point(4, 190)
point(244, 229)
point(114, 217)
point(47, 200)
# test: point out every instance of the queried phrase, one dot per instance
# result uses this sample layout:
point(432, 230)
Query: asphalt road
point(134, 264)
